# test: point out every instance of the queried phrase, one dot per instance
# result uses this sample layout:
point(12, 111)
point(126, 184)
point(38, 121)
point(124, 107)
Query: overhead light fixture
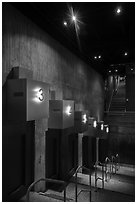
point(74, 18)
point(116, 70)
point(95, 57)
point(118, 10)
point(99, 56)
point(125, 54)
point(109, 71)
point(65, 23)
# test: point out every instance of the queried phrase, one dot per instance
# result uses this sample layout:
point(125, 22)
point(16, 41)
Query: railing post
point(90, 185)
point(76, 189)
point(65, 194)
point(102, 176)
point(95, 176)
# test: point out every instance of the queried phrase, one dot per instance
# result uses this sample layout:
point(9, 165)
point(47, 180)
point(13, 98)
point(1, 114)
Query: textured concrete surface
point(26, 45)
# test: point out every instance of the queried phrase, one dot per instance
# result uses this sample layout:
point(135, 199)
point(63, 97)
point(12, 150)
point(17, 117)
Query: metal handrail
point(76, 184)
point(47, 180)
point(110, 101)
point(114, 166)
point(117, 163)
point(107, 161)
point(99, 178)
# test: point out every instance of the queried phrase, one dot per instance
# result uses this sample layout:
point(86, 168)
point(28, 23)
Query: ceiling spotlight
point(95, 57)
point(116, 70)
point(125, 54)
point(109, 71)
point(65, 23)
point(74, 18)
point(118, 11)
point(99, 56)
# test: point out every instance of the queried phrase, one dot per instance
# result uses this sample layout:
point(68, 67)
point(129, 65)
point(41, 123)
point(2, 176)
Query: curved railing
point(117, 162)
point(46, 180)
point(76, 184)
point(108, 171)
point(99, 178)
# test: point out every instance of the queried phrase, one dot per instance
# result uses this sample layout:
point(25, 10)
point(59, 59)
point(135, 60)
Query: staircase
point(122, 128)
point(118, 102)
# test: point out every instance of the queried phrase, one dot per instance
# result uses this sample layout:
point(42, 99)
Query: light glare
point(118, 10)
point(65, 23)
point(84, 118)
point(68, 110)
point(125, 53)
point(102, 126)
point(95, 124)
point(74, 18)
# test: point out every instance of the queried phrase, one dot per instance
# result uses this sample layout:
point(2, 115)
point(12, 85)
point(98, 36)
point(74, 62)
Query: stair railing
point(117, 162)
point(96, 176)
point(46, 180)
point(114, 164)
point(110, 101)
point(108, 168)
point(76, 183)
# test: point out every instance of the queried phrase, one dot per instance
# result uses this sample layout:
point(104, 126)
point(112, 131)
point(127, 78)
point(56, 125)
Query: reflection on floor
point(120, 188)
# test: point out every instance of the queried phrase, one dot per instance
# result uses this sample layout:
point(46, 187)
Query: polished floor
point(120, 188)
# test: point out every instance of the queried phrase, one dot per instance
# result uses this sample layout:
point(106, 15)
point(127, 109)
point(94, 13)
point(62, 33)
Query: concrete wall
point(26, 45)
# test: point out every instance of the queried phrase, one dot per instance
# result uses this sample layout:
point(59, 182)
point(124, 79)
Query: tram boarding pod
point(61, 142)
point(27, 100)
point(80, 121)
point(61, 114)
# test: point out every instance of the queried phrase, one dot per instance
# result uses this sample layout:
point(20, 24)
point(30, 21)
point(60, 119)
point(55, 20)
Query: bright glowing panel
point(107, 129)
point(84, 118)
point(102, 126)
point(39, 95)
point(68, 110)
point(94, 123)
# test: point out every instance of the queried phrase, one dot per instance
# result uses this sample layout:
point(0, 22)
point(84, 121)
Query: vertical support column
point(97, 160)
point(80, 136)
point(97, 150)
point(40, 133)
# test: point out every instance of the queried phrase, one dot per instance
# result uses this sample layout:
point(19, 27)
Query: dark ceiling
point(101, 31)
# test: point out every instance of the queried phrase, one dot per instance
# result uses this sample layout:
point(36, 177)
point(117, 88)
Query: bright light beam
point(75, 20)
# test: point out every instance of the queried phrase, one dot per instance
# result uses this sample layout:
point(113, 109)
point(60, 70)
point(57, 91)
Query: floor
point(120, 188)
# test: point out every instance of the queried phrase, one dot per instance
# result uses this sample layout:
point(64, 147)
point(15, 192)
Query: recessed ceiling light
point(125, 54)
point(118, 10)
point(65, 23)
